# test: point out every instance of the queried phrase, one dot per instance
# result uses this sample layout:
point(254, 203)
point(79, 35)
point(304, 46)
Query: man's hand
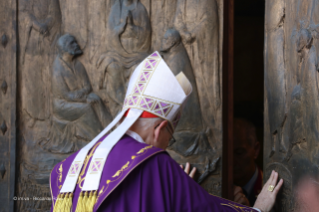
point(240, 197)
point(188, 168)
point(266, 199)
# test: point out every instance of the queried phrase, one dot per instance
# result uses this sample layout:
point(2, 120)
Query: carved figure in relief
point(276, 88)
point(191, 123)
point(129, 36)
point(197, 22)
point(78, 113)
point(308, 78)
point(40, 22)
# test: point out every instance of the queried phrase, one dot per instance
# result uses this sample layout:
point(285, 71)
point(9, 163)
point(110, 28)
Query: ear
point(257, 149)
point(158, 130)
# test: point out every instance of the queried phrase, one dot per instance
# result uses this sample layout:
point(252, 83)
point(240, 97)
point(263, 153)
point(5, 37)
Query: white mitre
point(152, 88)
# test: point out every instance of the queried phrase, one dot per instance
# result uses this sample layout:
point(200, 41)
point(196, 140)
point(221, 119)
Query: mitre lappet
point(153, 91)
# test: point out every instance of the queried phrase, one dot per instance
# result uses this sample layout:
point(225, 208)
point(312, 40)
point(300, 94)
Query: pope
point(126, 168)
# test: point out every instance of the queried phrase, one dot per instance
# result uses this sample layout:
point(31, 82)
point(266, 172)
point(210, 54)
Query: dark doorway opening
point(248, 65)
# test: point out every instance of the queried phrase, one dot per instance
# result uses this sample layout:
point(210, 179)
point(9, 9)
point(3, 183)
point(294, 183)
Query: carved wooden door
point(291, 96)
point(55, 123)
point(8, 118)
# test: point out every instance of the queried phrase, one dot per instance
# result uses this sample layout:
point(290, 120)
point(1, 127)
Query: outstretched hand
point(240, 197)
point(267, 197)
point(187, 170)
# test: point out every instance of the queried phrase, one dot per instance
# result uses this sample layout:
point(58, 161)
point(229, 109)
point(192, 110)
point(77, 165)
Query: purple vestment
point(139, 177)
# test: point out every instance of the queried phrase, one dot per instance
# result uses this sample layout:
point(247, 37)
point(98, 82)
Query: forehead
point(69, 39)
point(241, 135)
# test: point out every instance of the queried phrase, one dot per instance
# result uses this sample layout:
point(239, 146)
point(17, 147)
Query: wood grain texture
point(291, 94)
point(8, 95)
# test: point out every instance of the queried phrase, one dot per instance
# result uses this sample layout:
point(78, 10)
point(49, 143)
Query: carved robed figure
point(78, 113)
point(129, 34)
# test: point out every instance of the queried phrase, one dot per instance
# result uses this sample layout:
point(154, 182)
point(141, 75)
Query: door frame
point(228, 100)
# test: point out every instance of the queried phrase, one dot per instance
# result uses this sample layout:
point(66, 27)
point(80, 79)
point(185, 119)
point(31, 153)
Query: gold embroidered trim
point(144, 149)
point(126, 166)
point(59, 172)
point(121, 170)
point(86, 161)
point(124, 178)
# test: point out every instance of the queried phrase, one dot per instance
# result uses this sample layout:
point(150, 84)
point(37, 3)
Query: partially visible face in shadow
point(73, 47)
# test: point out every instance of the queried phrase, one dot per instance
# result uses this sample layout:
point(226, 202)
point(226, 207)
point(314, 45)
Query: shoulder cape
point(126, 155)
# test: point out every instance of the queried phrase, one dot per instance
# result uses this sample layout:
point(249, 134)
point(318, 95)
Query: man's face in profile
point(73, 47)
point(246, 150)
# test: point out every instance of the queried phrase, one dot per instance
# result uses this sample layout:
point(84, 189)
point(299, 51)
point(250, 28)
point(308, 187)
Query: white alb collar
point(135, 136)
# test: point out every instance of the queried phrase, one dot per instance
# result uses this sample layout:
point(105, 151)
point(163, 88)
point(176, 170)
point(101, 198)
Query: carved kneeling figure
point(78, 113)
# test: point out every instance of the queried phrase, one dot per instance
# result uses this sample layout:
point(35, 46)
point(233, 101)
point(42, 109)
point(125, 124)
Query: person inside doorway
point(248, 176)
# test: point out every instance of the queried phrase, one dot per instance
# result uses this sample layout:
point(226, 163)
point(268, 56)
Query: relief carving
point(78, 113)
point(71, 87)
point(197, 22)
point(292, 91)
point(275, 81)
point(2, 170)
point(128, 35)
point(285, 195)
point(4, 87)
point(4, 40)
point(195, 26)
point(39, 29)
point(3, 127)
point(190, 133)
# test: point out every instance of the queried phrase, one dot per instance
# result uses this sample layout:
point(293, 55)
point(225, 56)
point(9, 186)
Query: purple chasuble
point(139, 177)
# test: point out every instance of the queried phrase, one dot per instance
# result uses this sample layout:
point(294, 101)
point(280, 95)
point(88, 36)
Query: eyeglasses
point(173, 140)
